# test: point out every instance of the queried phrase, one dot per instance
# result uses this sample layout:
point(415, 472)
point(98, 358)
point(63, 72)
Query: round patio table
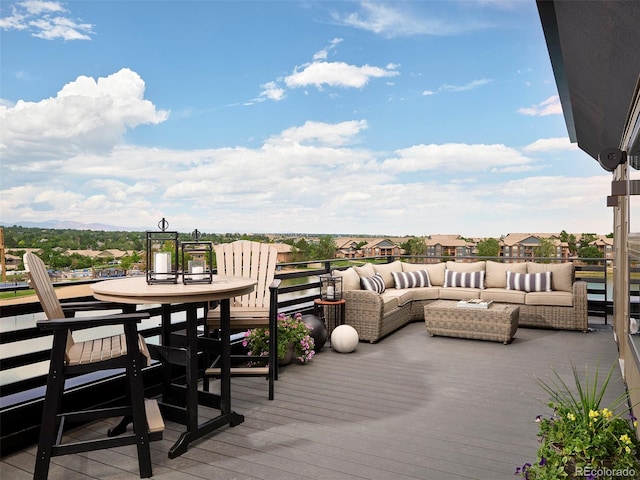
point(135, 290)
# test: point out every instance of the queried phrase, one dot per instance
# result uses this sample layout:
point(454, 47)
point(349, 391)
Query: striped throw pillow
point(529, 282)
point(463, 279)
point(419, 278)
point(375, 283)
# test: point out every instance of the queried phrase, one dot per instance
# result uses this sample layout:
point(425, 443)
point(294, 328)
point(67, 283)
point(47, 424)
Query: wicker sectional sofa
point(561, 305)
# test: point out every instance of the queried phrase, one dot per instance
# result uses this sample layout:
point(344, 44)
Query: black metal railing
point(25, 351)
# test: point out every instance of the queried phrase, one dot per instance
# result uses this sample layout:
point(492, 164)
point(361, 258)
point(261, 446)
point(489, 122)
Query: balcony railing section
point(24, 353)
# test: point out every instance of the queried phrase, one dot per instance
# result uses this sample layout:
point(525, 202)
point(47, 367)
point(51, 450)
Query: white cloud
point(551, 145)
point(271, 91)
point(550, 106)
point(457, 157)
point(87, 115)
point(320, 133)
point(47, 20)
point(321, 73)
point(473, 84)
point(394, 19)
point(336, 74)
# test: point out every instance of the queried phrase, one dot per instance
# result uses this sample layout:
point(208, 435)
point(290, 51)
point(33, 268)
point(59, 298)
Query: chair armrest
point(275, 285)
point(93, 305)
point(77, 323)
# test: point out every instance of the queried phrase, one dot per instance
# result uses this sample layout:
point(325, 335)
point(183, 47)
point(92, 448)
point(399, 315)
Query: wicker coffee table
point(497, 323)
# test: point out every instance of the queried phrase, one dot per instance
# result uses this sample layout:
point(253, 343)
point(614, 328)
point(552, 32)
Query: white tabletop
point(135, 290)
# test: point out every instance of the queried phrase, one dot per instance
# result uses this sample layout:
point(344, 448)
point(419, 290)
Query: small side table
point(331, 312)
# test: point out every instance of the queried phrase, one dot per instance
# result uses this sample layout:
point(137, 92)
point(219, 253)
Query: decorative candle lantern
point(197, 260)
point(162, 255)
point(330, 287)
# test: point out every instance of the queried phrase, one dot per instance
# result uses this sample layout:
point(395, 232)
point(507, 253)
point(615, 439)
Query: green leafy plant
point(291, 331)
point(581, 439)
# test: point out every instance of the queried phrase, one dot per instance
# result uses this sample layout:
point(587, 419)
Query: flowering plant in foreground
point(291, 331)
point(581, 439)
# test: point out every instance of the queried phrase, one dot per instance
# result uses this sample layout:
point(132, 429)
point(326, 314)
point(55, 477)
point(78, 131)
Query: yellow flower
point(625, 438)
point(594, 414)
point(627, 449)
point(571, 416)
point(606, 413)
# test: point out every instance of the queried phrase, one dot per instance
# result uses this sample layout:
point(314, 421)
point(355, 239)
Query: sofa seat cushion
point(403, 296)
point(389, 302)
point(502, 295)
point(425, 293)
point(496, 273)
point(436, 271)
point(385, 269)
point(554, 299)
point(459, 293)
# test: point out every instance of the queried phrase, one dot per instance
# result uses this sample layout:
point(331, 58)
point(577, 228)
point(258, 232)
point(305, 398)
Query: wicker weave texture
point(561, 318)
point(497, 323)
point(365, 312)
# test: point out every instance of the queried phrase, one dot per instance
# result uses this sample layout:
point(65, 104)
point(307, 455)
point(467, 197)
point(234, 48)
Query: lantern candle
point(162, 264)
point(196, 268)
point(330, 293)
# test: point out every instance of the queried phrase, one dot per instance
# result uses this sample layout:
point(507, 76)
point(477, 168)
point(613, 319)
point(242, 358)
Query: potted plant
point(293, 338)
point(582, 440)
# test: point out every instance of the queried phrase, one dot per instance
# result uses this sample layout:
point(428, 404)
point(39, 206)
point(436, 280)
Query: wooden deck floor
point(408, 407)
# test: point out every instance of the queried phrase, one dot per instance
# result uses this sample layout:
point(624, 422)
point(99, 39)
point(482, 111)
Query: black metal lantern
point(162, 255)
point(197, 260)
point(330, 287)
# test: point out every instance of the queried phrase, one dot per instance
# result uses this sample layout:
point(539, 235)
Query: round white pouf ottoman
point(344, 339)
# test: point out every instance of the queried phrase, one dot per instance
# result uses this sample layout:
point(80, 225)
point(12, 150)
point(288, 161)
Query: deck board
point(408, 407)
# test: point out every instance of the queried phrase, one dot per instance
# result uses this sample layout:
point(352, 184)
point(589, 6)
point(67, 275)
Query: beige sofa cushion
point(459, 293)
point(350, 279)
point(403, 296)
point(561, 274)
point(365, 270)
point(436, 271)
point(466, 266)
point(389, 303)
point(425, 293)
point(496, 273)
point(385, 270)
point(554, 299)
point(501, 295)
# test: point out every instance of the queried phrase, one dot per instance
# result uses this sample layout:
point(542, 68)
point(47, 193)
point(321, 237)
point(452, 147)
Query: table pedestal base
point(232, 419)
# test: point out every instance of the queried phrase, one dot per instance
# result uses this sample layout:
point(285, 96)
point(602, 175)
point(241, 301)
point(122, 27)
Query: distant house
point(522, 245)
point(348, 248)
point(285, 252)
point(381, 247)
point(453, 246)
point(604, 245)
point(84, 253)
point(12, 262)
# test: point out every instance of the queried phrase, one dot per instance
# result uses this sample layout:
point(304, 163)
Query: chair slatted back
point(39, 280)
point(248, 259)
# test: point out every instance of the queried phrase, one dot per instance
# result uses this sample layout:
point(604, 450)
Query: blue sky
point(361, 117)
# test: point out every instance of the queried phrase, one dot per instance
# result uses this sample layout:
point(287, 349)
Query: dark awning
point(594, 48)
